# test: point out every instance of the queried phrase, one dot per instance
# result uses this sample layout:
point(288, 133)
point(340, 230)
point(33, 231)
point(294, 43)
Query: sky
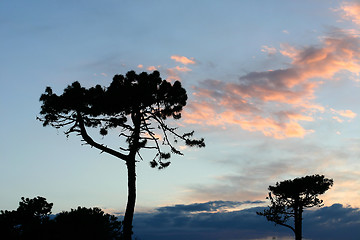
point(272, 85)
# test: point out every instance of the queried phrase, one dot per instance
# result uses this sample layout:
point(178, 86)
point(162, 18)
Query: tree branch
point(91, 142)
point(285, 225)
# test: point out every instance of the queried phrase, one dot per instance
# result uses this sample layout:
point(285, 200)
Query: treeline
point(33, 220)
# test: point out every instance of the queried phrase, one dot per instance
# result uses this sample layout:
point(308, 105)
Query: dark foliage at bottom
point(32, 221)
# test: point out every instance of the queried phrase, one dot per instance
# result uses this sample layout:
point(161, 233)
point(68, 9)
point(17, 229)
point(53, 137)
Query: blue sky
point(273, 88)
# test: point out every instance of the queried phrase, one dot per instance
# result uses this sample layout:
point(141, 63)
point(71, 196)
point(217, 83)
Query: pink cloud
point(183, 60)
point(269, 50)
point(182, 69)
point(336, 118)
point(205, 114)
point(151, 68)
point(140, 66)
point(279, 102)
point(338, 53)
point(344, 113)
point(173, 73)
point(351, 10)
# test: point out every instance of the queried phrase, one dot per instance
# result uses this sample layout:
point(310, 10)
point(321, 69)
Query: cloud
point(346, 219)
point(102, 74)
point(337, 119)
point(140, 66)
point(211, 206)
point(183, 60)
point(351, 11)
point(278, 102)
point(344, 113)
point(173, 73)
point(269, 50)
point(252, 166)
point(175, 223)
point(207, 221)
point(151, 68)
point(250, 181)
point(182, 69)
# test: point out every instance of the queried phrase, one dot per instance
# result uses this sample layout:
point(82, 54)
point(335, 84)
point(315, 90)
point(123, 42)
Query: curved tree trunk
point(131, 165)
point(130, 207)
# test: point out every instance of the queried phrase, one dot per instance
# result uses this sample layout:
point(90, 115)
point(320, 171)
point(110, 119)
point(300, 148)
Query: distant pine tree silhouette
point(289, 198)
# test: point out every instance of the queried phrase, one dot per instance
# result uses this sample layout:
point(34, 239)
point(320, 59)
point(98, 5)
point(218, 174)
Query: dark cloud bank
point(211, 221)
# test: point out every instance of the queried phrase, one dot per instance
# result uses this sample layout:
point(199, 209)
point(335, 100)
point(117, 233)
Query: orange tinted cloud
point(340, 52)
point(269, 50)
point(173, 73)
point(351, 10)
point(337, 119)
point(344, 113)
point(151, 68)
point(278, 102)
point(183, 60)
point(203, 111)
point(205, 114)
point(182, 69)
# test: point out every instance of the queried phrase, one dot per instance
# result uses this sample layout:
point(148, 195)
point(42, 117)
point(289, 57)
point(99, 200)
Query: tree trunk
point(131, 165)
point(130, 207)
point(298, 223)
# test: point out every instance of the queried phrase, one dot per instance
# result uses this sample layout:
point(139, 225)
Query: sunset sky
point(273, 88)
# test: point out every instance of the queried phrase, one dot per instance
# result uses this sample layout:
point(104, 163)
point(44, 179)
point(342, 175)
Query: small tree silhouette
point(137, 104)
point(86, 223)
point(289, 198)
point(32, 220)
point(29, 221)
